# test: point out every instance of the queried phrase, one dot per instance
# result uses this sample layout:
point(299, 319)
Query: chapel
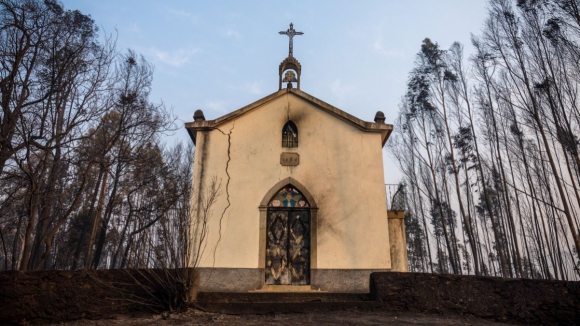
point(289, 195)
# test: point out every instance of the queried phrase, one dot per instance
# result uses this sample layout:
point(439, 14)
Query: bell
point(290, 77)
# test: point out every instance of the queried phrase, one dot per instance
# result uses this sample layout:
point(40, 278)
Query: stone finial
point(380, 117)
point(198, 116)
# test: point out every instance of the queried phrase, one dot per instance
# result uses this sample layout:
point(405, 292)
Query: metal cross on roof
point(291, 33)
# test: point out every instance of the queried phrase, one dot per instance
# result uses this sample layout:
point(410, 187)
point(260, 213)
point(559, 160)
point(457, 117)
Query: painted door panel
point(288, 247)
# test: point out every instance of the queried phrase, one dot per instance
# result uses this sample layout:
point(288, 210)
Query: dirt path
point(327, 318)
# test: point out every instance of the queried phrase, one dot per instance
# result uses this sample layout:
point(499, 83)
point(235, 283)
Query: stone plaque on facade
point(289, 159)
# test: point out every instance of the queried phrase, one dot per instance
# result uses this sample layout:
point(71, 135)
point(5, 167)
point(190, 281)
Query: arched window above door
point(289, 197)
point(289, 135)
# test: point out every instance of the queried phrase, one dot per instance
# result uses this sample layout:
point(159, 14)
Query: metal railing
point(396, 198)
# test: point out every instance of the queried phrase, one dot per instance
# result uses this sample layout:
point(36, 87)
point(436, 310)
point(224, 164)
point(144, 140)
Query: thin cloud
point(182, 13)
point(175, 58)
point(341, 90)
point(389, 53)
point(254, 87)
point(218, 106)
point(228, 70)
point(231, 32)
point(135, 29)
point(338, 87)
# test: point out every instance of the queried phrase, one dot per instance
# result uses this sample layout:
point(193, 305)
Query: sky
point(219, 56)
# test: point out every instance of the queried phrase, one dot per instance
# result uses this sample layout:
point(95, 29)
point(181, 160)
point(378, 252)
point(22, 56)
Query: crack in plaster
point(229, 134)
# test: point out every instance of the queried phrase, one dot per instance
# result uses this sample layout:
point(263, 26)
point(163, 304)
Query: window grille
point(290, 135)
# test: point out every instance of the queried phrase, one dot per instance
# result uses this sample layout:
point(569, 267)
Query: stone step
point(285, 307)
point(288, 297)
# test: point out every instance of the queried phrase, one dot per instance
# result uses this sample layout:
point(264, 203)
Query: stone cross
point(291, 33)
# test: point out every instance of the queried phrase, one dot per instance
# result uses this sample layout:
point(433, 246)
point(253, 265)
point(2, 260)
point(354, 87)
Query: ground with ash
point(195, 317)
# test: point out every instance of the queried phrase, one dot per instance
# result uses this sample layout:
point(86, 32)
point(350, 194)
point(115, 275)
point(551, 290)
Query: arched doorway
point(288, 238)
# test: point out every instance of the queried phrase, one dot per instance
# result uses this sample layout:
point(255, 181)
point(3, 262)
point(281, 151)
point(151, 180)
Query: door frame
point(263, 222)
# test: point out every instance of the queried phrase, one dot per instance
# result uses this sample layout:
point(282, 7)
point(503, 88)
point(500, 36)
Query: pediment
point(384, 129)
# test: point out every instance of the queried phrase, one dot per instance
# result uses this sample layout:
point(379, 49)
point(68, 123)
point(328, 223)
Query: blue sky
point(219, 56)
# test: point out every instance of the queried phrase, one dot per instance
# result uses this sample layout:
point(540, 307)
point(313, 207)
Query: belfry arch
point(287, 234)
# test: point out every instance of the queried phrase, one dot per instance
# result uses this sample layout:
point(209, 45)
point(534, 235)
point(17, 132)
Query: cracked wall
point(340, 165)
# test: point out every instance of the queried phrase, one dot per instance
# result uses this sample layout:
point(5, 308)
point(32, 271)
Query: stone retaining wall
point(510, 300)
point(55, 296)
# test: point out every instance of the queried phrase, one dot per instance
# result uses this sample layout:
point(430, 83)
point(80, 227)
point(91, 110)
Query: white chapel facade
point(302, 203)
